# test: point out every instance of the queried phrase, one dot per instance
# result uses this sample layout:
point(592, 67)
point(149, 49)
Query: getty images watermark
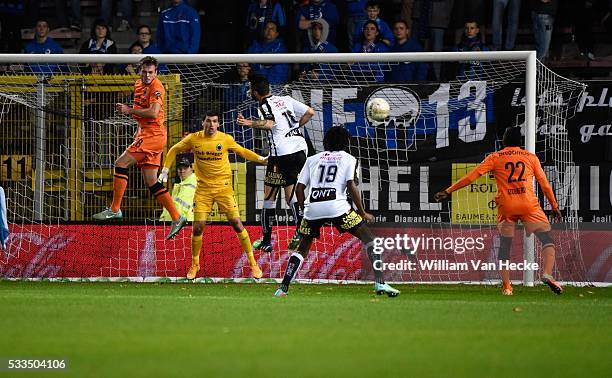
point(412, 245)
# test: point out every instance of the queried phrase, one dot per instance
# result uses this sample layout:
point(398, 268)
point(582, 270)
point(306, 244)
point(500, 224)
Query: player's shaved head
point(513, 137)
point(336, 139)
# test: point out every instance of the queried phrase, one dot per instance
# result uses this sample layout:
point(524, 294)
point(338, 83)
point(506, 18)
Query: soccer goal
point(60, 136)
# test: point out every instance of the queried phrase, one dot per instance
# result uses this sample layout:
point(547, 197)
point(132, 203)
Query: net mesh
point(60, 120)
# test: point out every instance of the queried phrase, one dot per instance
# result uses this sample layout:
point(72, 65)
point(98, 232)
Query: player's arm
point(545, 185)
point(480, 170)
point(307, 116)
point(246, 153)
point(263, 124)
point(351, 186)
point(150, 112)
point(303, 181)
point(356, 197)
point(182, 146)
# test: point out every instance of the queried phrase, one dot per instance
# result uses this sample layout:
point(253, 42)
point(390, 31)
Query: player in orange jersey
point(148, 145)
point(514, 169)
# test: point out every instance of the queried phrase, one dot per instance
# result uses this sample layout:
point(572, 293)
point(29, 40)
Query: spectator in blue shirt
point(406, 71)
point(317, 45)
point(355, 17)
point(178, 29)
point(259, 13)
point(144, 38)
point(372, 10)
point(271, 44)
point(43, 44)
point(370, 42)
point(471, 41)
point(149, 47)
point(324, 11)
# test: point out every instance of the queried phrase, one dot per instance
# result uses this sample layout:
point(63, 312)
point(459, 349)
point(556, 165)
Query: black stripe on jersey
point(267, 113)
point(272, 143)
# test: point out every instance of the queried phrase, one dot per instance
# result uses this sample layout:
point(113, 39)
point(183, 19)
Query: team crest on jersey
point(157, 94)
point(219, 147)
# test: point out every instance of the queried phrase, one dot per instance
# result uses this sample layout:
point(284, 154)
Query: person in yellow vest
point(183, 192)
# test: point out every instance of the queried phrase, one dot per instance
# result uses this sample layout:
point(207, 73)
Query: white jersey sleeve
point(299, 108)
point(304, 177)
point(286, 136)
point(328, 173)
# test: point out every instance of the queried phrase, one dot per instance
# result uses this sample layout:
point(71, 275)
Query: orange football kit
point(150, 139)
point(513, 169)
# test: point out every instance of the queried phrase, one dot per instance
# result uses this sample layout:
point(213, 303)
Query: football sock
point(505, 276)
point(548, 257)
point(268, 216)
point(373, 257)
point(297, 213)
point(163, 197)
point(196, 245)
point(245, 243)
point(120, 182)
point(295, 261)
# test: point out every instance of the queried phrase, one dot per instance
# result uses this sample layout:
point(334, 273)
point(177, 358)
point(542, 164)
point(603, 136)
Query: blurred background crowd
point(571, 36)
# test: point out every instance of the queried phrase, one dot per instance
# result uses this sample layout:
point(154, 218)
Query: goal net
point(61, 135)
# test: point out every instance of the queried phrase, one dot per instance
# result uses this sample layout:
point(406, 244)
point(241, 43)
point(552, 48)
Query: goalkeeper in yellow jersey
point(212, 168)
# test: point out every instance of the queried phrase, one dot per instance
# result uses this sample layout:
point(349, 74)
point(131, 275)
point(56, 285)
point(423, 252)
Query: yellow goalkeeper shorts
point(204, 199)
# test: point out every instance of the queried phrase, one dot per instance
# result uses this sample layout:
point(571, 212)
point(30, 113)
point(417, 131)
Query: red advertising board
point(57, 251)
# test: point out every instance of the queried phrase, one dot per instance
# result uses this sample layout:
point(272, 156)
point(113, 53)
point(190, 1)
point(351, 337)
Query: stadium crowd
point(313, 26)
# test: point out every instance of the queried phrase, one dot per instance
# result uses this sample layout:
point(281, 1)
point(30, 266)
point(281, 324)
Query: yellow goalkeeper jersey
point(211, 162)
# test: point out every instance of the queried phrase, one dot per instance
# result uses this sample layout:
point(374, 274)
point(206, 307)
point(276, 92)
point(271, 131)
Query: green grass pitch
point(210, 330)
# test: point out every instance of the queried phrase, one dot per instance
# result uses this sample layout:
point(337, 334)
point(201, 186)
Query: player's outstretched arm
point(466, 180)
point(263, 124)
point(246, 153)
point(356, 196)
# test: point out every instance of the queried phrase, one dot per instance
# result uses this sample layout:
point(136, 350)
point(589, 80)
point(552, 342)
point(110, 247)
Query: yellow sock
point(245, 243)
point(196, 245)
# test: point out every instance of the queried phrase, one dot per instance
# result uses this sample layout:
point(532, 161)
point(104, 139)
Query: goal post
point(72, 174)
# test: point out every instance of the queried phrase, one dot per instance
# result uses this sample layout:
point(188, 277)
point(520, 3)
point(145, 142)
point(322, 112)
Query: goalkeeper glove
point(163, 176)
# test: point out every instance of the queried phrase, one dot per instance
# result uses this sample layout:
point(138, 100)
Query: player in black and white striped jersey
point(283, 118)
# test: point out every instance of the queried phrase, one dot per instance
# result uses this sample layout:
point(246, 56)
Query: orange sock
point(162, 196)
point(120, 182)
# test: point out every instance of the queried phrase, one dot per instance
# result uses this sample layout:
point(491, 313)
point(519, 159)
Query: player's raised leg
point(161, 194)
point(120, 182)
